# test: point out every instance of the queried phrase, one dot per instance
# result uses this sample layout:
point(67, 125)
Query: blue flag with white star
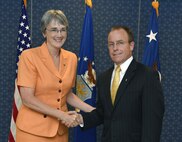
point(151, 52)
point(86, 75)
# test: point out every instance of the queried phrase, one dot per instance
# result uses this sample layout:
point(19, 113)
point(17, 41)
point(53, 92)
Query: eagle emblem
point(85, 83)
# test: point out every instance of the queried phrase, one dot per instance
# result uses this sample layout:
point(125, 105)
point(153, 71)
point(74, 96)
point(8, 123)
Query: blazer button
point(58, 100)
point(61, 132)
point(59, 91)
point(45, 115)
point(60, 81)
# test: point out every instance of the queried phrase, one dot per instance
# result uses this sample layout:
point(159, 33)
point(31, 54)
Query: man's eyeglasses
point(56, 31)
point(117, 43)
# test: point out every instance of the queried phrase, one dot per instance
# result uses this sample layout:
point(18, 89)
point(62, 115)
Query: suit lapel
point(47, 60)
point(63, 62)
point(107, 86)
point(125, 81)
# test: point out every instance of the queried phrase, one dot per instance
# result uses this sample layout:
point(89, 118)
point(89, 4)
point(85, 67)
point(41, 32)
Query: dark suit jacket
point(137, 113)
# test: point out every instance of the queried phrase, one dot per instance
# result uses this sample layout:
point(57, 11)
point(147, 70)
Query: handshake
point(71, 119)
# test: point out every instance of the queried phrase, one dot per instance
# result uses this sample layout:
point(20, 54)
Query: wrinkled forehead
point(118, 34)
point(55, 23)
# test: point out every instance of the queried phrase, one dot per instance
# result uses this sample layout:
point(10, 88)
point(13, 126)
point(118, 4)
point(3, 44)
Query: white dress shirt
point(123, 67)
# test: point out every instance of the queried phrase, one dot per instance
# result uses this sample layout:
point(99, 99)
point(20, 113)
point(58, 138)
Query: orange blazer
point(37, 70)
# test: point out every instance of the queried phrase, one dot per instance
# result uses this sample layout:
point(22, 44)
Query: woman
point(46, 76)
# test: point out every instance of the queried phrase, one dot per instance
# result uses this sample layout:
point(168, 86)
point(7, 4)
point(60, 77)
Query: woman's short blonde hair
point(50, 15)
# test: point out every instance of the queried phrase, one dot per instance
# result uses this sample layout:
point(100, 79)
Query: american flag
point(24, 42)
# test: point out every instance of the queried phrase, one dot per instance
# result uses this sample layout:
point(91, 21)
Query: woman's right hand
point(69, 118)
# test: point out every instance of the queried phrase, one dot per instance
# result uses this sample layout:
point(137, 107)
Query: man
point(135, 112)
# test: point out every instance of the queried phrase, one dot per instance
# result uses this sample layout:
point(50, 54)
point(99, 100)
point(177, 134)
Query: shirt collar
point(125, 65)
